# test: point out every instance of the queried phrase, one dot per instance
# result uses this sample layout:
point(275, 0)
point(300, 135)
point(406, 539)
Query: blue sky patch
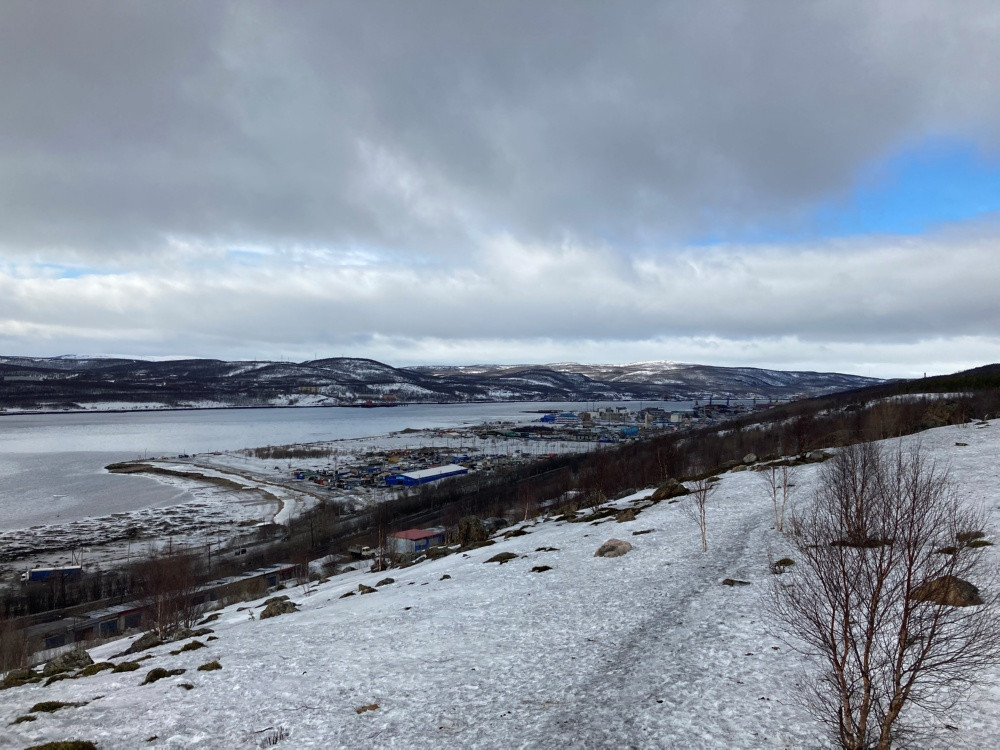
point(918, 188)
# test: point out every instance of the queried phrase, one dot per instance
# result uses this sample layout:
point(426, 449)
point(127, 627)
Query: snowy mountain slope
point(678, 380)
point(642, 651)
point(60, 383)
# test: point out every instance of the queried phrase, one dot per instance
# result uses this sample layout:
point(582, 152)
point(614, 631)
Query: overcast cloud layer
point(458, 182)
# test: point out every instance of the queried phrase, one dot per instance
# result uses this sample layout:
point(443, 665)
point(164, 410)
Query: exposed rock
point(159, 673)
point(471, 529)
point(613, 548)
point(628, 514)
point(279, 605)
point(670, 488)
point(477, 545)
point(502, 557)
point(362, 589)
point(541, 568)
point(750, 458)
point(386, 581)
point(70, 661)
point(734, 582)
point(436, 553)
point(144, 642)
point(950, 591)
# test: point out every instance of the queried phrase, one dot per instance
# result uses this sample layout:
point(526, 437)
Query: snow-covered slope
point(48, 384)
point(648, 650)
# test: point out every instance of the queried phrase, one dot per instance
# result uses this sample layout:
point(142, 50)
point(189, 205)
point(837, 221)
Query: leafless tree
point(881, 594)
point(14, 648)
point(780, 485)
point(168, 583)
point(696, 506)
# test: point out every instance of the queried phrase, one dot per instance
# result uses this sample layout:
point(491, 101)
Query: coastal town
point(247, 497)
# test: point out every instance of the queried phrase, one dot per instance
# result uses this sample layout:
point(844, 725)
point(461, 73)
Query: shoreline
point(43, 412)
point(220, 407)
point(225, 506)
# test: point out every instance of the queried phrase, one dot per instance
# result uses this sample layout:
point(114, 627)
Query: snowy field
point(648, 650)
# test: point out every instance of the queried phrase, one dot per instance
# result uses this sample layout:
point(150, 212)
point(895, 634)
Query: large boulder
point(670, 488)
point(143, 642)
point(471, 529)
point(68, 662)
point(950, 591)
point(278, 605)
point(613, 548)
point(623, 516)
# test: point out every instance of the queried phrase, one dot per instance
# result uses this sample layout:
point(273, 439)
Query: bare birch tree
point(881, 594)
point(780, 485)
point(696, 506)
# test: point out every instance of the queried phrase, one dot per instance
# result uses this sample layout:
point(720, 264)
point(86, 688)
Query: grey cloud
point(422, 126)
point(837, 294)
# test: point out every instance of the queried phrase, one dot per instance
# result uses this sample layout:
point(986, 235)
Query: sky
point(773, 184)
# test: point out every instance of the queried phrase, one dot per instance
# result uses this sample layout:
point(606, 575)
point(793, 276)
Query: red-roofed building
point(412, 541)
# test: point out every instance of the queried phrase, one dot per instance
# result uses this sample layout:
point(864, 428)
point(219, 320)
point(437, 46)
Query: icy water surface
point(52, 465)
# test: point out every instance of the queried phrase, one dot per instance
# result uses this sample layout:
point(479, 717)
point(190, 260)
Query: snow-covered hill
point(48, 384)
point(648, 650)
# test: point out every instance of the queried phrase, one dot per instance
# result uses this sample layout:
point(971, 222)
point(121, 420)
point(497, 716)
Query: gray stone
point(278, 606)
point(613, 548)
point(950, 591)
point(72, 660)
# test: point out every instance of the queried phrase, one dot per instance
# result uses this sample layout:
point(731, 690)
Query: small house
point(412, 541)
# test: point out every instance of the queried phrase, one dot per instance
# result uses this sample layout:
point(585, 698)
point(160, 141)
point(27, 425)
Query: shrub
point(210, 666)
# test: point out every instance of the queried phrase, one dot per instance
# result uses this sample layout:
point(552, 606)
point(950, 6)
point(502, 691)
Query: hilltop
point(644, 650)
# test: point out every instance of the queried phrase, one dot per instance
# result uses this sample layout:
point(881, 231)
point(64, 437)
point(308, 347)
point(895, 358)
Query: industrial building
point(423, 476)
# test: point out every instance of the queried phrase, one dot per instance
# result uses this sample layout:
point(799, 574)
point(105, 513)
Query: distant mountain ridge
point(89, 382)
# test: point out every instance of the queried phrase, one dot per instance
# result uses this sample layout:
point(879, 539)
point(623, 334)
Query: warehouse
point(423, 476)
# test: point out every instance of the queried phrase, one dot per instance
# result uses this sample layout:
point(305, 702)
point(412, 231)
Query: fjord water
point(52, 465)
